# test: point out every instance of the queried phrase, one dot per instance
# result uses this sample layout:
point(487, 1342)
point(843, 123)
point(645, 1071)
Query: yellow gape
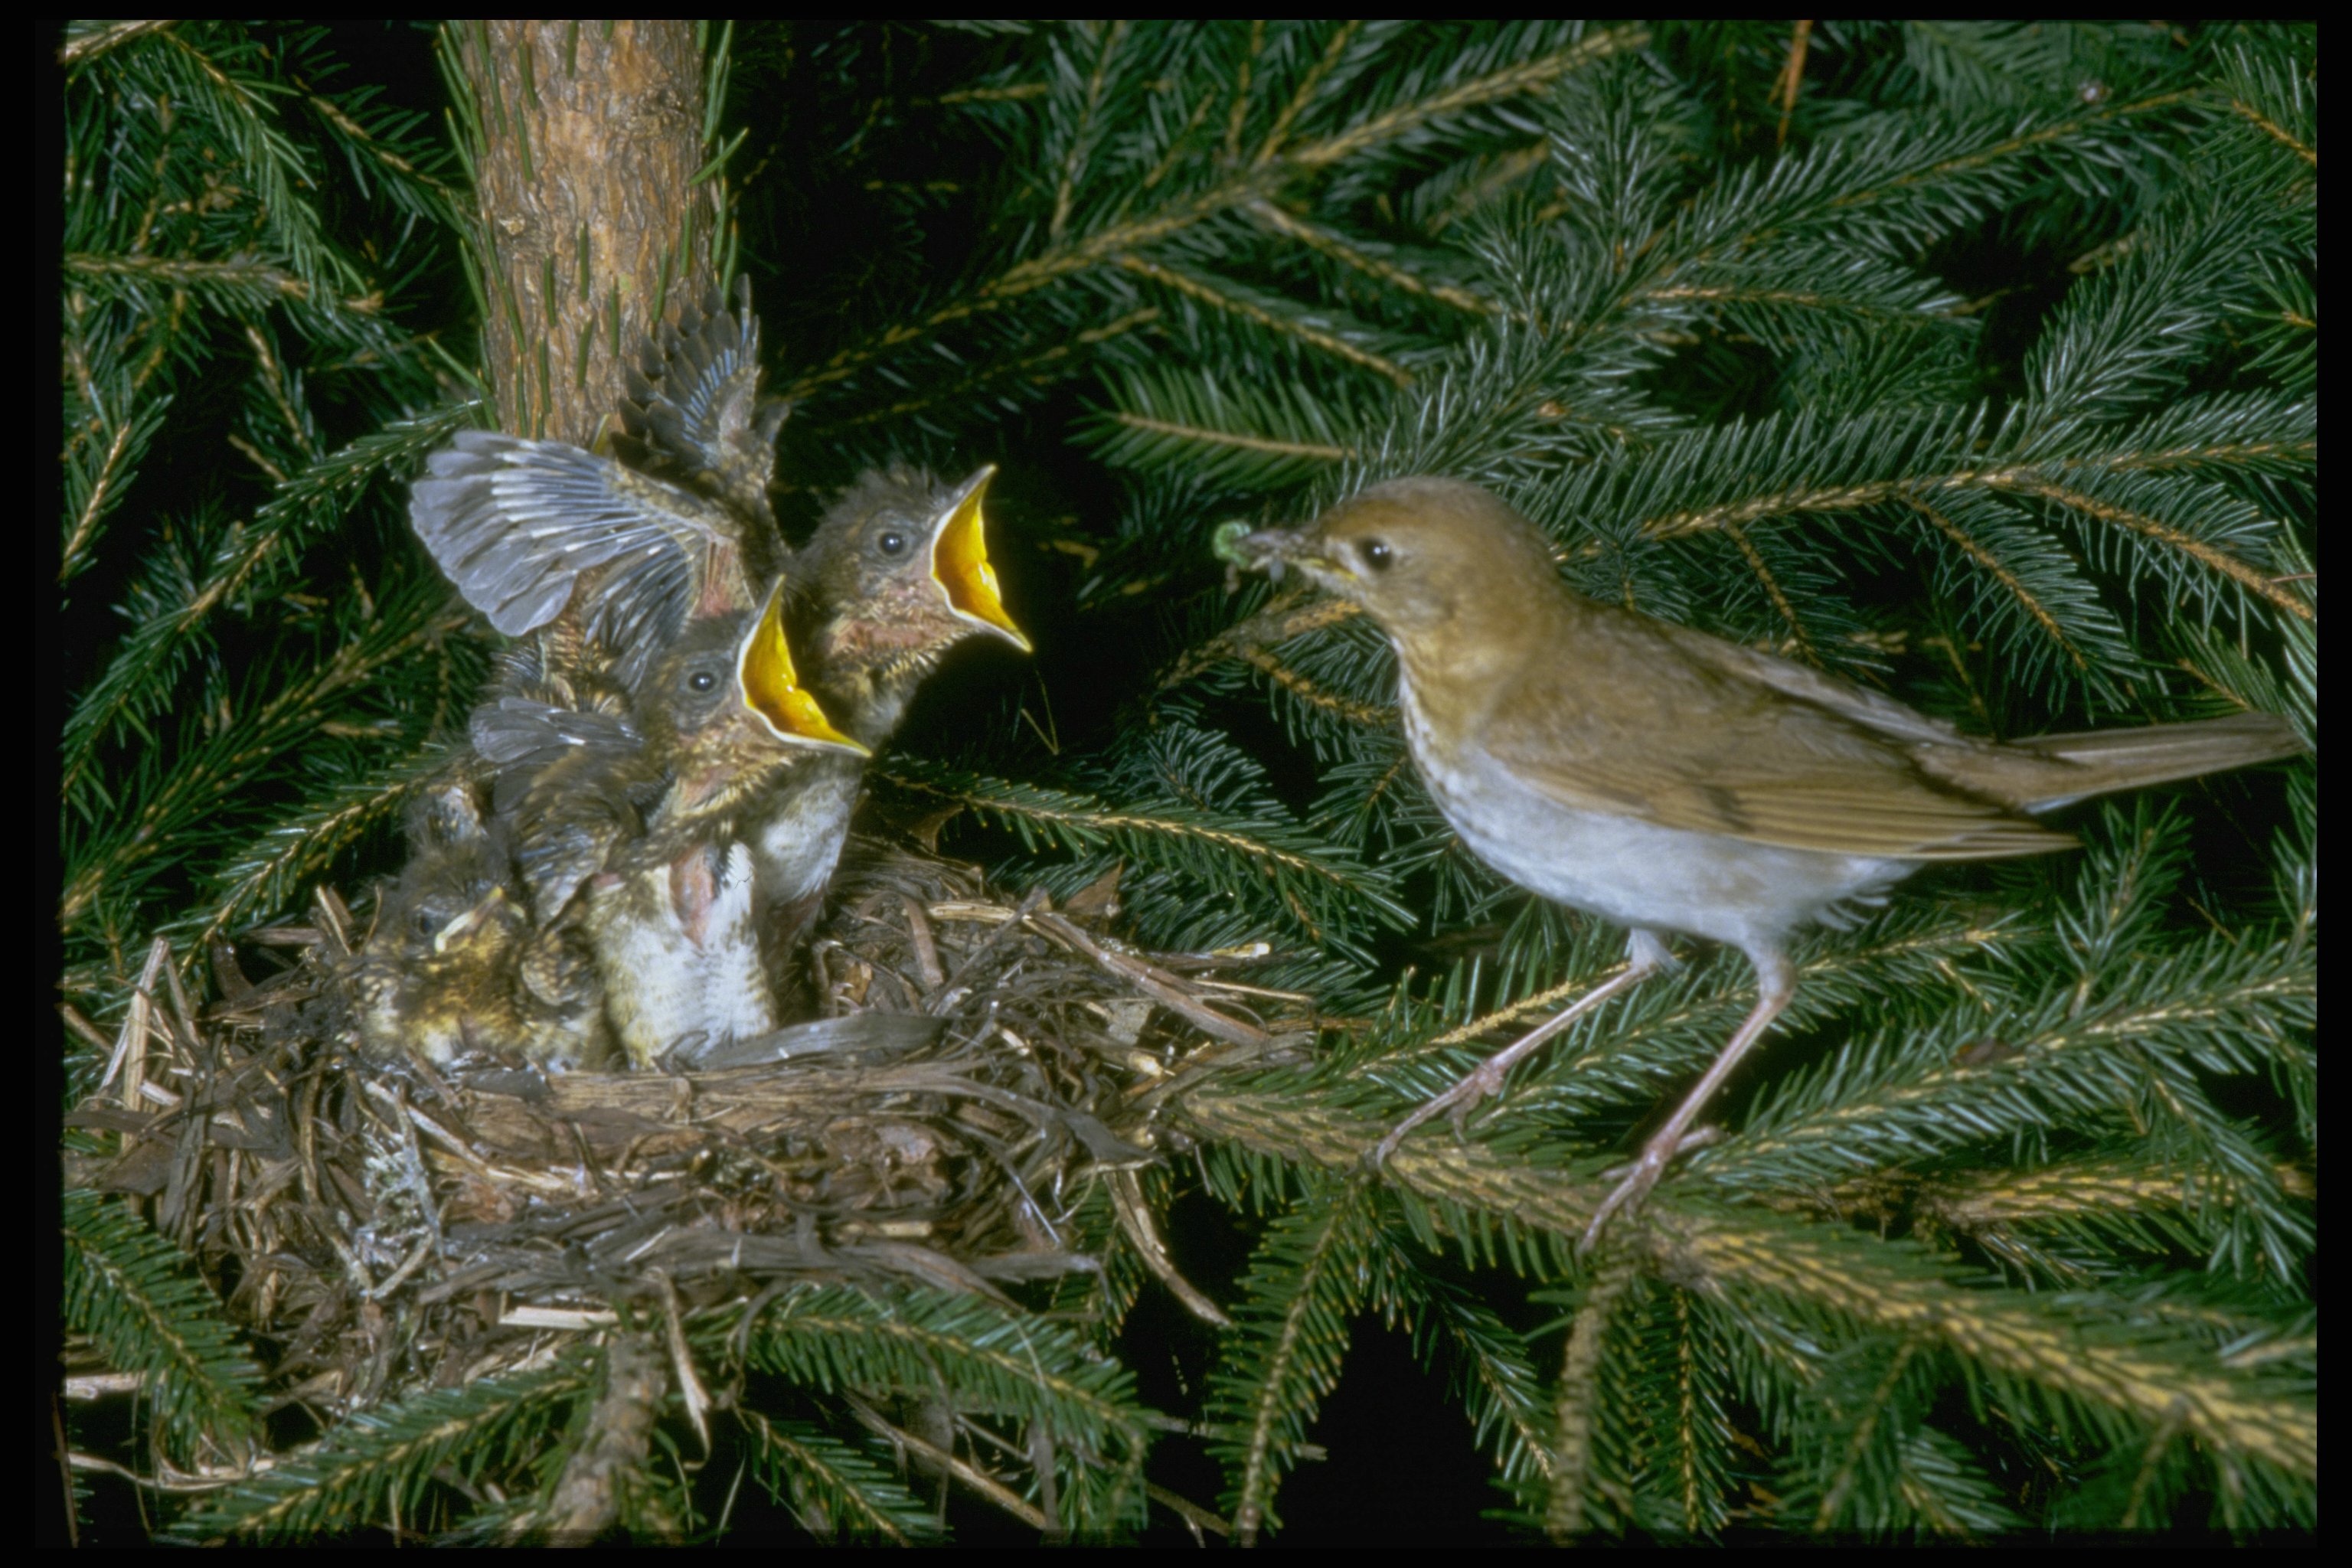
point(960, 564)
point(772, 688)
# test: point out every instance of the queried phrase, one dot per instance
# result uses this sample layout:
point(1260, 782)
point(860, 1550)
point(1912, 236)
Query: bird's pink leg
point(693, 889)
point(1486, 1078)
point(1776, 982)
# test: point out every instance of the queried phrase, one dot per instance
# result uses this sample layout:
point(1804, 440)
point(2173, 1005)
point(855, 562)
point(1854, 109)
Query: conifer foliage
point(1974, 363)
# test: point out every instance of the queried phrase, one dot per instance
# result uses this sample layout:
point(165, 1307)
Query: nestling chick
point(694, 416)
point(455, 965)
point(896, 575)
point(630, 829)
point(669, 917)
point(547, 538)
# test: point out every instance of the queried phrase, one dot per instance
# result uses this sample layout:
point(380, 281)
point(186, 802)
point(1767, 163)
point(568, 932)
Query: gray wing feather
point(515, 523)
point(558, 788)
point(515, 732)
point(694, 408)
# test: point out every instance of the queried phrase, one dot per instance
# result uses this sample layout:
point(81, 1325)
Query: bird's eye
point(1377, 554)
point(892, 543)
point(702, 680)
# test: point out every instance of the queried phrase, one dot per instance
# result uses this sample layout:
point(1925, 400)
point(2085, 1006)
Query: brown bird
point(1669, 781)
point(675, 917)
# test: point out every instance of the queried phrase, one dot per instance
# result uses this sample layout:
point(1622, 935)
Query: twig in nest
point(1153, 982)
point(927, 951)
point(1135, 1218)
point(987, 945)
point(620, 1434)
point(689, 1386)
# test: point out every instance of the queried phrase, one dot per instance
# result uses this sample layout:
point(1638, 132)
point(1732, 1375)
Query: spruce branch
point(381, 1465)
point(833, 1487)
point(121, 855)
point(1485, 1360)
point(138, 1298)
point(979, 1358)
point(2080, 1359)
point(1227, 436)
point(1210, 825)
point(1072, 251)
point(251, 562)
point(1303, 1285)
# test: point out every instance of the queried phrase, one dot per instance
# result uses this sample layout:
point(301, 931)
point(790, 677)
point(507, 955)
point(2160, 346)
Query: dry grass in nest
point(980, 1063)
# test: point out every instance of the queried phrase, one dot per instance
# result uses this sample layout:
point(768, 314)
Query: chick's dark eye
point(892, 543)
point(701, 680)
point(1378, 555)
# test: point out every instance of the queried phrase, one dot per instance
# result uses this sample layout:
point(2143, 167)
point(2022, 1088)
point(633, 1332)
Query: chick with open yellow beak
point(633, 578)
point(639, 834)
point(895, 575)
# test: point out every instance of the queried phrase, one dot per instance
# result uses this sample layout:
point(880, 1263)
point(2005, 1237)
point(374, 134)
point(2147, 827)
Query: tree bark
point(585, 139)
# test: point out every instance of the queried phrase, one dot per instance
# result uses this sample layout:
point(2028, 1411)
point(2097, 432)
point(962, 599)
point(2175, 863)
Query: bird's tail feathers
point(2051, 771)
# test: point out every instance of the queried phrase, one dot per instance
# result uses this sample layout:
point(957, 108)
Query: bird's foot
point(1377, 1155)
point(1484, 1080)
point(1641, 1176)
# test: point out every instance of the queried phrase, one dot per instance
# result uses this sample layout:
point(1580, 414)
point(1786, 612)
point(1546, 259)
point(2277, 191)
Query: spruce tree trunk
point(587, 138)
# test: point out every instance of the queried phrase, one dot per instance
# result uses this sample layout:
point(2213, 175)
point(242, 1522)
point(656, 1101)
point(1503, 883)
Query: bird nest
point(977, 1063)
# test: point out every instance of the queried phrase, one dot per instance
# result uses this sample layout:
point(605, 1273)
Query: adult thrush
point(1669, 781)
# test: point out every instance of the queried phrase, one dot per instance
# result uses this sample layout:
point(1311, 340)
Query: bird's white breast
point(1624, 870)
point(702, 983)
point(797, 843)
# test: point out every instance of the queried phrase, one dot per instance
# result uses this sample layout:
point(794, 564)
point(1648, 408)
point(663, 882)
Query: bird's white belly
point(705, 985)
point(1637, 873)
point(654, 970)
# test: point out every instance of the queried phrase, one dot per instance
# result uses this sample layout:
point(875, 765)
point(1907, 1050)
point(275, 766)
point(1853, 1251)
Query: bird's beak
point(1269, 549)
point(960, 563)
point(463, 927)
point(772, 688)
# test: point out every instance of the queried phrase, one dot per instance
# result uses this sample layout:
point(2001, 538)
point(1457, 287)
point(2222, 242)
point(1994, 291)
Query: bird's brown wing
point(1857, 704)
point(516, 524)
point(1709, 748)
